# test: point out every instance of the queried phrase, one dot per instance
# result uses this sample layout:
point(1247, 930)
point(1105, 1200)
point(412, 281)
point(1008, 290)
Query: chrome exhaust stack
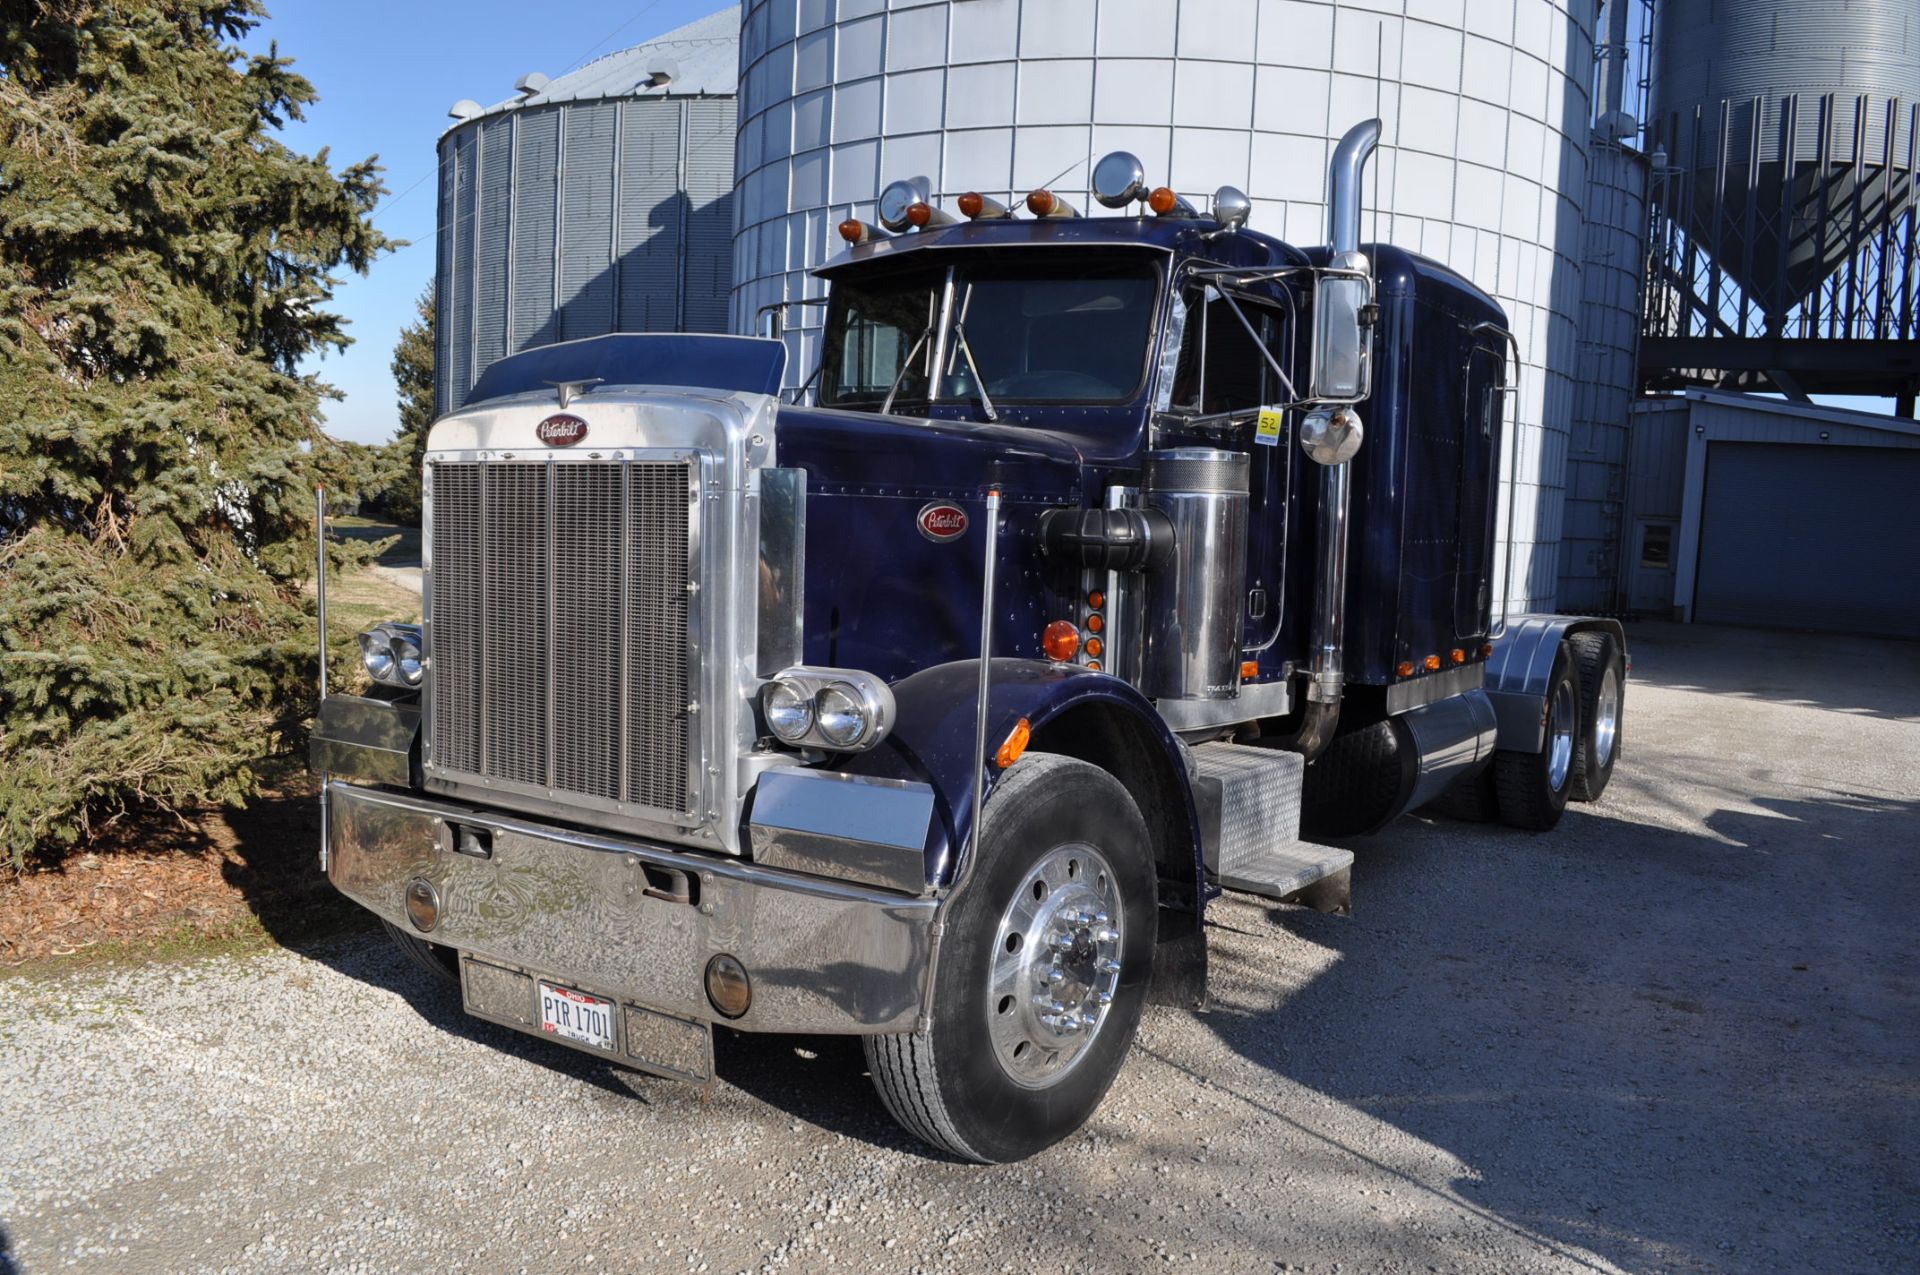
point(1328, 641)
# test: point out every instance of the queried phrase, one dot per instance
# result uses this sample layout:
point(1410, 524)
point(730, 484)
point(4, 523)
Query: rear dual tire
point(1533, 788)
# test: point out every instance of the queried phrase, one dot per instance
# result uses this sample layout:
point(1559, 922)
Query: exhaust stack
point(1322, 710)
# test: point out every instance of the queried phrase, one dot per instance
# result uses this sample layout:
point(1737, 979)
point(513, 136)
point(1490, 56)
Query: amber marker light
point(1405, 669)
point(1094, 665)
point(1249, 669)
point(1162, 200)
point(1431, 663)
point(919, 215)
point(973, 203)
point(1096, 622)
point(1459, 656)
point(1095, 646)
point(1486, 650)
point(1015, 743)
point(1061, 641)
point(1096, 599)
point(1041, 203)
point(853, 230)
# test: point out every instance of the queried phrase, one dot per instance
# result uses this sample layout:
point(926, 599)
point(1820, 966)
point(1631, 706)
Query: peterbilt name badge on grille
point(562, 429)
point(941, 522)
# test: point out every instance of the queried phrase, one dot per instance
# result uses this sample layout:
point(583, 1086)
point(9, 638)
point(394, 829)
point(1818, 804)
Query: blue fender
point(932, 740)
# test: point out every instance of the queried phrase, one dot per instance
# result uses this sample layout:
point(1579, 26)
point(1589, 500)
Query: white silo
point(600, 201)
point(1483, 164)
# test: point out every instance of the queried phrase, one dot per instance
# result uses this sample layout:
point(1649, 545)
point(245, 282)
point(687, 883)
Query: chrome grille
point(559, 630)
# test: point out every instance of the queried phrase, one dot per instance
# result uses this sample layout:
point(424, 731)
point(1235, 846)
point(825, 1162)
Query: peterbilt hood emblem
point(562, 429)
point(941, 522)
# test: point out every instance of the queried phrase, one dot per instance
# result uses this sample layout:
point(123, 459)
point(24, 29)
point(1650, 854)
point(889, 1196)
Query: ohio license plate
point(584, 1019)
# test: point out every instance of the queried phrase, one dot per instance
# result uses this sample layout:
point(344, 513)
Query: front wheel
point(1042, 973)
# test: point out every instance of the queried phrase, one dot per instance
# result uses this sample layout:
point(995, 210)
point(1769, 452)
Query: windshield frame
point(947, 272)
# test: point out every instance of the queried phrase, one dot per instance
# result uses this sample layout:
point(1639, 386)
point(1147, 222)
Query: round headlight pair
point(392, 656)
point(827, 707)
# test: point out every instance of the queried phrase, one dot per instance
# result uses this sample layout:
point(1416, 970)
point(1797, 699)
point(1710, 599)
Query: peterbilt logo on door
point(941, 522)
point(562, 429)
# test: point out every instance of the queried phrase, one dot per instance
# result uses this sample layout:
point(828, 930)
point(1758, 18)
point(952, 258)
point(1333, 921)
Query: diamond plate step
point(1250, 799)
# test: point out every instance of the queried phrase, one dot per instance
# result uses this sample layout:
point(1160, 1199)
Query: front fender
point(932, 739)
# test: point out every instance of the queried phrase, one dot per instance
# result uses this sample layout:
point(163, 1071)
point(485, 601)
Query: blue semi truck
point(1104, 563)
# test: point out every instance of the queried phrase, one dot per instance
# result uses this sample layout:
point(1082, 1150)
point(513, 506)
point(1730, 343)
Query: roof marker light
point(1167, 204)
point(855, 231)
point(1044, 203)
point(978, 207)
point(922, 214)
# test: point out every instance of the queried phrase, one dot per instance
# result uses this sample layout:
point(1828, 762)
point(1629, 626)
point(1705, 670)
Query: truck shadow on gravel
point(1671, 1049)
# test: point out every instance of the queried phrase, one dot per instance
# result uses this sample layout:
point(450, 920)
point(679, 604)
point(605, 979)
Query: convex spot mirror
point(1342, 349)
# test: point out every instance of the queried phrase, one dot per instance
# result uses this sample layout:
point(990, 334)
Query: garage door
point(1798, 536)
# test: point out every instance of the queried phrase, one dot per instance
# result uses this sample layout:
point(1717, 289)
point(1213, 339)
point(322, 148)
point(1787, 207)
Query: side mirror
point(1342, 351)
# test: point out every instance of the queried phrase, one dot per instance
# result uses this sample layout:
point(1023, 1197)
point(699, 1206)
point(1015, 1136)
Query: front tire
point(1042, 973)
point(442, 963)
point(1533, 787)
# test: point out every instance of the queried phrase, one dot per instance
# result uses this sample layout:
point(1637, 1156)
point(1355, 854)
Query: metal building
point(1487, 107)
point(601, 201)
point(1785, 138)
point(1754, 511)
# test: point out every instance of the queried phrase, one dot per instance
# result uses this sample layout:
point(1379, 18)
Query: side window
point(1237, 376)
point(880, 332)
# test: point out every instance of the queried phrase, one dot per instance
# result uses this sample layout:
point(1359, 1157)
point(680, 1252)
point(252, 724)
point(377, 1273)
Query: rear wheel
point(443, 963)
point(1042, 973)
point(1602, 678)
point(1533, 787)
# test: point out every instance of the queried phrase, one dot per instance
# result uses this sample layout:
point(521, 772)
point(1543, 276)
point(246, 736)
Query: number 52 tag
point(1267, 432)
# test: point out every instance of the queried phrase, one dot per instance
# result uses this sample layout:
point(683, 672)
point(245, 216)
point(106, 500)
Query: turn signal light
point(1015, 743)
point(1459, 656)
point(1095, 646)
point(1405, 669)
point(1249, 669)
point(1061, 641)
point(1431, 663)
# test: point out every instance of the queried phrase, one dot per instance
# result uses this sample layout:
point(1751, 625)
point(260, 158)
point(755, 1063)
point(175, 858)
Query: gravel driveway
point(1679, 1033)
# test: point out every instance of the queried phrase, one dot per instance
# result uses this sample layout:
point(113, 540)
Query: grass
point(404, 552)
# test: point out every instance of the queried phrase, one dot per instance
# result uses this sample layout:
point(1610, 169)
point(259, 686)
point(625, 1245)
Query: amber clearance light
point(1015, 744)
point(1162, 200)
point(1061, 641)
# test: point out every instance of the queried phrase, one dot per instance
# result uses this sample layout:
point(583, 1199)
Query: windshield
point(1072, 330)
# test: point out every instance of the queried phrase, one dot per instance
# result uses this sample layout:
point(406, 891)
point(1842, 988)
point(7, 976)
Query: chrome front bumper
point(824, 956)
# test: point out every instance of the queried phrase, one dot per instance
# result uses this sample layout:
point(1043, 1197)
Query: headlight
point(376, 654)
point(842, 717)
point(789, 711)
point(841, 710)
point(392, 655)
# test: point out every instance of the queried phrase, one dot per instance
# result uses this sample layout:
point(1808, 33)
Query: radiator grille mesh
point(559, 627)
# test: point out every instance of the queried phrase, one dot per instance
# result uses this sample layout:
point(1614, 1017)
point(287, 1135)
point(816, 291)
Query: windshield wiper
point(886, 404)
point(966, 352)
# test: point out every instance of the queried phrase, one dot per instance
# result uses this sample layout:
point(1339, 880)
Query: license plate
point(575, 1016)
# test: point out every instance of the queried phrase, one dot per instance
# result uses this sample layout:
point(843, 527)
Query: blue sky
point(386, 74)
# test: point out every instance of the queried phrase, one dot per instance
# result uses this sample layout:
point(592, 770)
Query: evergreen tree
point(164, 264)
point(413, 374)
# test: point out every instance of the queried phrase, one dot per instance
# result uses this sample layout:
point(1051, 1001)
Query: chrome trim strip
point(1256, 700)
point(1413, 693)
point(783, 567)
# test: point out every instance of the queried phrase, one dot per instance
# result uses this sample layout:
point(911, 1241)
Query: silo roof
point(705, 54)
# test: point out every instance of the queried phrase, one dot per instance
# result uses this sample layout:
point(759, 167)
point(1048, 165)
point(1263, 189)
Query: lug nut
point(1107, 965)
point(1107, 936)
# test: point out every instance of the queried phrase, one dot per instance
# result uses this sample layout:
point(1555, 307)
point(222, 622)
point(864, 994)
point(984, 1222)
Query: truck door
point(1482, 427)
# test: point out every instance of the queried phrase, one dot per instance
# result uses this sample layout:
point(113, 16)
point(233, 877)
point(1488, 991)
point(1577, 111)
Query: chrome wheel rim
point(1606, 716)
point(1560, 737)
point(1055, 966)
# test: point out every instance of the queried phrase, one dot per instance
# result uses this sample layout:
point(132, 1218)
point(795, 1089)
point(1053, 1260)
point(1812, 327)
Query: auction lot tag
point(576, 1016)
point(1267, 432)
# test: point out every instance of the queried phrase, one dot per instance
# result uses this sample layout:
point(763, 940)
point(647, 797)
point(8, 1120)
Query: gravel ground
point(1677, 1034)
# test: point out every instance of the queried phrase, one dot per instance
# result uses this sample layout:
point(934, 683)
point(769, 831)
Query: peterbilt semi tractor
point(1104, 563)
